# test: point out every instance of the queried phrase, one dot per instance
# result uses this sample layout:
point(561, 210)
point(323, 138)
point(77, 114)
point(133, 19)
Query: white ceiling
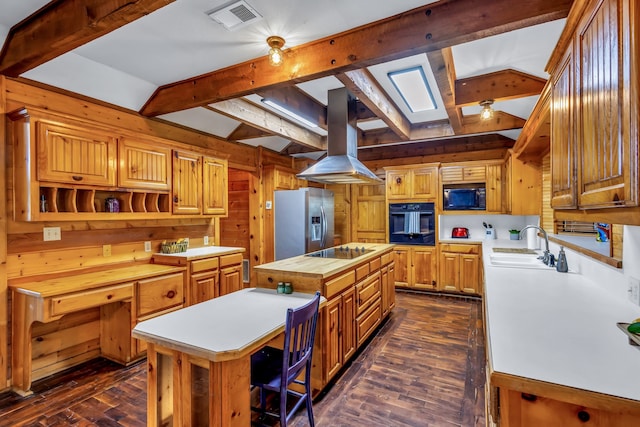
point(180, 41)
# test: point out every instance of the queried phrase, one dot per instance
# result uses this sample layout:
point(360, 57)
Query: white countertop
point(204, 252)
point(559, 328)
point(223, 328)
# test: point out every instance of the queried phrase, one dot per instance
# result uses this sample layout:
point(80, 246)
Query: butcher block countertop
point(96, 279)
point(322, 268)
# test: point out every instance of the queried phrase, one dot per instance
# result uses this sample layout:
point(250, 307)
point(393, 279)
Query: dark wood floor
point(424, 368)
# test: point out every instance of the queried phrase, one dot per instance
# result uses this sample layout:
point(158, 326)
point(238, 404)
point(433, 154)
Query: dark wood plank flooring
point(424, 368)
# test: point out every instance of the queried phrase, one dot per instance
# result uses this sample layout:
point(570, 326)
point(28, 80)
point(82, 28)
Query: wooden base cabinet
point(415, 267)
point(340, 332)
point(460, 268)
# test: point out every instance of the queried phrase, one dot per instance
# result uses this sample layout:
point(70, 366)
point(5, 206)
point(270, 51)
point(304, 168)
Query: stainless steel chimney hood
point(341, 166)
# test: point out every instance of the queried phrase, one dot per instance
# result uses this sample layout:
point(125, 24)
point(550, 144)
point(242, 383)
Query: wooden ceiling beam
point(427, 130)
point(424, 29)
point(499, 86)
point(247, 112)
point(62, 26)
point(294, 99)
point(246, 131)
point(500, 121)
point(441, 62)
point(363, 85)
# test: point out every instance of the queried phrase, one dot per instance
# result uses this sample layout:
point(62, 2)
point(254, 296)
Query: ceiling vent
point(235, 15)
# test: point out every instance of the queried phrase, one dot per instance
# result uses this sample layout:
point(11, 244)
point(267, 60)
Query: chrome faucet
point(545, 257)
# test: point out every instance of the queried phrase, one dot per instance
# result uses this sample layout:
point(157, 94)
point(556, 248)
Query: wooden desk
point(199, 358)
point(112, 290)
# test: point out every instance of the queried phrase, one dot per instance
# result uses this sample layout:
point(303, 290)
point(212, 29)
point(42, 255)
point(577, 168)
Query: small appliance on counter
point(460, 233)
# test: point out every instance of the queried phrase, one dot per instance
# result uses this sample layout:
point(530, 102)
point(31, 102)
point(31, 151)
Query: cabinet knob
point(398, 180)
point(175, 199)
point(76, 178)
point(529, 397)
point(584, 416)
point(171, 294)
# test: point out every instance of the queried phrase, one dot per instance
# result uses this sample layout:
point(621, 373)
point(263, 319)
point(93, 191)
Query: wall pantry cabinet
point(595, 86)
point(67, 169)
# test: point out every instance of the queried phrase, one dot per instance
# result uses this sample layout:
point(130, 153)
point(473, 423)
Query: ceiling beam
point(245, 131)
point(363, 85)
point(424, 29)
point(500, 121)
point(295, 99)
point(499, 86)
point(439, 129)
point(441, 62)
point(62, 26)
point(248, 112)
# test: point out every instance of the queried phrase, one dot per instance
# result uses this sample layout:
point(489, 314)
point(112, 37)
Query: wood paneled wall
point(75, 337)
point(342, 212)
point(547, 217)
point(234, 229)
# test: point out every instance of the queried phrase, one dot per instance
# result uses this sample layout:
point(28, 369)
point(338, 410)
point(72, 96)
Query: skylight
point(412, 85)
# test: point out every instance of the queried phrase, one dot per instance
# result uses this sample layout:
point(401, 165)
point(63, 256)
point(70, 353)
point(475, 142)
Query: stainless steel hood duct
point(341, 166)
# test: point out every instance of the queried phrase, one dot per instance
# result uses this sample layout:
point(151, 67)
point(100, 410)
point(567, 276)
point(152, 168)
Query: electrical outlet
point(268, 204)
point(634, 290)
point(50, 233)
point(186, 239)
point(206, 240)
point(106, 250)
point(147, 246)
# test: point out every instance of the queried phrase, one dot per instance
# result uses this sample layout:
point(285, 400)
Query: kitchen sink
point(516, 260)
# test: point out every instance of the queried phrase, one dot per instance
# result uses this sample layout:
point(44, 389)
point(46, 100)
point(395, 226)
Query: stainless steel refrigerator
point(303, 221)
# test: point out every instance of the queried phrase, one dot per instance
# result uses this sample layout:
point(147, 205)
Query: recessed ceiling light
point(411, 84)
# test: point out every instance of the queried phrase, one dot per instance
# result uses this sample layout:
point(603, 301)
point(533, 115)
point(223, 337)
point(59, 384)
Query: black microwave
point(464, 198)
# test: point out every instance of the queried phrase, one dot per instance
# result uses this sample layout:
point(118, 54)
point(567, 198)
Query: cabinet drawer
point(386, 258)
point(374, 265)
point(335, 286)
point(368, 322)
point(367, 292)
point(159, 293)
point(230, 260)
point(204, 264)
point(460, 248)
point(87, 299)
point(362, 271)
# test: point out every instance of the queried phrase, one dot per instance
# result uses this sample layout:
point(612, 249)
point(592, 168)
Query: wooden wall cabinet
point(415, 267)
point(523, 187)
point(187, 182)
point(595, 87)
point(143, 165)
point(460, 268)
point(369, 214)
point(214, 186)
point(414, 182)
point(463, 174)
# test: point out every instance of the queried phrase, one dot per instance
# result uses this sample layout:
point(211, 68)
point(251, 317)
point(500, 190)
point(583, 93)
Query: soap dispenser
point(561, 263)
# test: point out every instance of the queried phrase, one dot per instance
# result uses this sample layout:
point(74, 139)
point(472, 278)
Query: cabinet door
point(214, 186)
point(423, 264)
point(204, 286)
point(75, 155)
point(333, 358)
point(469, 278)
point(143, 165)
point(563, 151)
point(401, 260)
point(608, 166)
point(348, 324)
point(449, 272)
point(187, 176)
point(384, 289)
point(230, 279)
point(398, 184)
point(494, 187)
point(425, 183)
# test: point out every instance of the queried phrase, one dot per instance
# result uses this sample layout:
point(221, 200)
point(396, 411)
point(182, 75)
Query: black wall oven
point(412, 224)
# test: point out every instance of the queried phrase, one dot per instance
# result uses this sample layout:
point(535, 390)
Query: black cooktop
point(340, 252)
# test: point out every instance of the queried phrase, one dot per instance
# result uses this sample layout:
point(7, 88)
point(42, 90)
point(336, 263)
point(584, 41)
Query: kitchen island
point(555, 354)
point(360, 293)
point(199, 358)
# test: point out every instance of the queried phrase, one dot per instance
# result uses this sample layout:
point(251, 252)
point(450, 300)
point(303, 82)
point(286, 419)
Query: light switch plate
point(267, 204)
point(634, 290)
point(106, 250)
point(51, 233)
point(206, 240)
point(147, 246)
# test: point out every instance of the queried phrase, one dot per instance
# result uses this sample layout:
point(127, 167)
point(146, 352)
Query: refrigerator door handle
point(323, 242)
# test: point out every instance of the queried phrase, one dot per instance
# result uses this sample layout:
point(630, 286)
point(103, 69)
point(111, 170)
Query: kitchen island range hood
point(341, 165)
